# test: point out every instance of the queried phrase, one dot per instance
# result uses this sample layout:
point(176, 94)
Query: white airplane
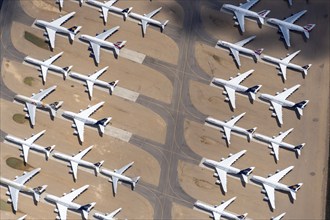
point(107, 216)
point(279, 100)
point(288, 24)
point(118, 175)
point(236, 48)
point(285, 62)
point(82, 118)
point(279, 217)
point(219, 211)
point(276, 142)
point(224, 166)
point(108, 6)
point(92, 79)
point(272, 182)
point(17, 185)
point(28, 143)
point(146, 19)
point(290, 2)
point(22, 217)
point(99, 41)
point(34, 102)
point(65, 202)
point(229, 126)
point(60, 2)
point(76, 160)
point(47, 64)
point(233, 85)
point(54, 27)
point(243, 10)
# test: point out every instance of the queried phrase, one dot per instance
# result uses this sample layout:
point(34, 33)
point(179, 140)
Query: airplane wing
point(90, 86)
point(240, 19)
point(25, 150)
point(112, 214)
point(232, 159)
point(110, 3)
point(53, 58)
point(74, 167)
point(105, 11)
point(98, 73)
point(114, 184)
point(51, 36)
point(278, 176)
point(87, 112)
point(283, 135)
point(44, 71)
point(227, 133)
point(233, 121)
point(223, 206)
point(96, 51)
point(275, 148)
point(286, 34)
point(270, 191)
point(236, 55)
point(283, 70)
point(248, 4)
point(151, 14)
point(231, 95)
point(14, 196)
point(32, 112)
point(62, 210)
point(295, 17)
point(35, 137)
point(63, 19)
point(81, 154)
point(216, 216)
point(144, 26)
point(41, 95)
point(74, 194)
point(290, 57)
point(107, 33)
point(223, 178)
point(285, 94)
point(80, 129)
point(245, 41)
point(240, 78)
point(278, 111)
point(124, 168)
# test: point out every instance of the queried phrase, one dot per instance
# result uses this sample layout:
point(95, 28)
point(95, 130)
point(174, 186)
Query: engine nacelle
point(269, 175)
point(222, 158)
point(9, 201)
point(64, 194)
point(285, 89)
point(72, 189)
point(272, 153)
point(27, 116)
point(101, 16)
point(227, 99)
point(271, 108)
point(277, 171)
point(224, 137)
point(45, 34)
point(236, 23)
point(56, 210)
point(25, 109)
point(266, 198)
point(277, 93)
point(8, 193)
point(224, 92)
point(57, 217)
point(263, 191)
point(40, 90)
point(81, 110)
point(273, 114)
point(217, 182)
point(215, 175)
point(230, 155)
point(86, 90)
point(16, 177)
point(279, 73)
point(73, 126)
point(75, 132)
point(24, 172)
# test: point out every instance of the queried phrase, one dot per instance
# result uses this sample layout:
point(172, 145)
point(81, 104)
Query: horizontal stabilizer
point(242, 217)
point(245, 173)
point(66, 70)
point(294, 189)
point(300, 106)
point(306, 68)
point(102, 123)
point(253, 90)
point(262, 15)
point(251, 132)
point(49, 150)
point(298, 148)
point(37, 192)
point(258, 52)
point(87, 208)
point(163, 25)
point(135, 180)
point(126, 12)
point(112, 86)
point(98, 166)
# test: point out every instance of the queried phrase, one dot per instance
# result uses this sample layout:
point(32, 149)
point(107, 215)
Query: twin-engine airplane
point(92, 79)
point(61, 2)
point(46, 65)
point(34, 102)
point(107, 216)
point(54, 27)
point(243, 10)
point(233, 85)
point(17, 185)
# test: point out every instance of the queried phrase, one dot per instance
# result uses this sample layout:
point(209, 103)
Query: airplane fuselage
point(41, 63)
point(288, 25)
point(100, 42)
point(17, 186)
point(101, 5)
point(72, 159)
point(88, 121)
point(69, 205)
point(284, 103)
point(210, 208)
point(228, 169)
point(275, 185)
point(96, 81)
point(119, 176)
point(31, 101)
point(23, 142)
point(279, 61)
point(272, 140)
point(221, 124)
point(236, 47)
point(241, 10)
point(237, 88)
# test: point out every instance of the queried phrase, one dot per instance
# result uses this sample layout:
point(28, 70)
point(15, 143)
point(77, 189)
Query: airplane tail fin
point(118, 46)
point(253, 90)
point(102, 123)
point(251, 132)
point(245, 173)
point(49, 150)
point(112, 86)
point(126, 12)
point(73, 31)
point(54, 106)
point(298, 148)
point(242, 217)
point(66, 70)
point(306, 68)
point(258, 52)
point(37, 192)
point(163, 25)
point(308, 28)
point(300, 106)
point(294, 189)
point(98, 166)
point(262, 15)
point(87, 208)
point(135, 180)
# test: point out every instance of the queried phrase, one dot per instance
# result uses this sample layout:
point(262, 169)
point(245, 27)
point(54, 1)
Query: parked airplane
point(279, 100)
point(82, 118)
point(228, 126)
point(290, 2)
point(276, 142)
point(107, 216)
point(219, 211)
point(279, 217)
point(34, 102)
point(288, 24)
point(22, 217)
point(285, 62)
point(224, 166)
point(99, 41)
point(60, 2)
point(146, 19)
point(108, 6)
point(28, 143)
point(65, 202)
point(118, 175)
point(47, 64)
point(243, 10)
point(76, 160)
point(17, 185)
point(236, 48)
point(272, 182)
point(233, 85)
point(92, 79)
point(54, 27)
